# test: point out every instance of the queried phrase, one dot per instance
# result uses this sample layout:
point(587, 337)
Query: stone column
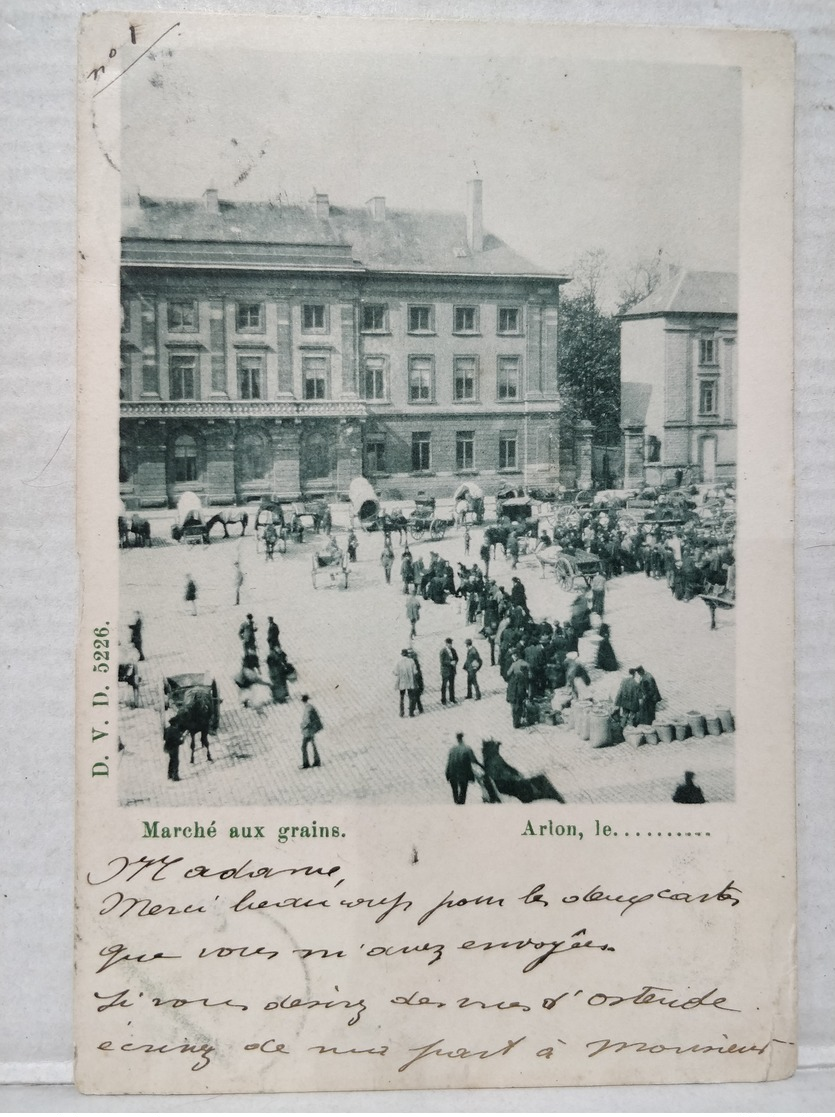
point(633, 456)
point(584, 435)
point(349, 453)
point(151, 480)
point(286, 449)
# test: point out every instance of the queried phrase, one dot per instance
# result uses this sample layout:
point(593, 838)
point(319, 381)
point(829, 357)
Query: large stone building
point(283, 349)
point(678, 381)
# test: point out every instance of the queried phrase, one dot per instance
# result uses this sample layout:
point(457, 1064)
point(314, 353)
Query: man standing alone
point(449, 667)
point(472, 666)
point(406, 675)
point(311, 725)
point(459, 769)
point(413, 613)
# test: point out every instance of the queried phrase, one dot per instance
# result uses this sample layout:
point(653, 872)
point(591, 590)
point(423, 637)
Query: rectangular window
point(421, 451)
point(250, 377)
point(420, 320)
point(507, 451)
point(509, 320)
point(420, 380)
point(375, 450)
point(374, 318)
point(464, 442)
point(182, 317)
point(314, 319)
point(315, 377)
point(508, 378)
point(249, 318)
point(182, 376)
point(465, 379)
point(374, 378)
point(465, 320)
point(707, 351)
point(708, 397)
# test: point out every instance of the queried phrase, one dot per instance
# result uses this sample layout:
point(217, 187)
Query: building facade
point(678, 381)
point(285, 350)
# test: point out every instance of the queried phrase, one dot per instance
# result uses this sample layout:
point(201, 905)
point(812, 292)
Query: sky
point(629, 157)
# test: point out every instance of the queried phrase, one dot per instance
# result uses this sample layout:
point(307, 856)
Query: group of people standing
point(279, 668)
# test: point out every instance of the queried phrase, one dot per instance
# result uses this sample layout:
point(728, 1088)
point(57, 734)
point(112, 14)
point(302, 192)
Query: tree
point(641, 280)
point(589, 350)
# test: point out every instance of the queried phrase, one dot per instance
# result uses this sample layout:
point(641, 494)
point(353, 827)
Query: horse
point(226, 517)
point(138, 527)
point(197, 713)
point(499, 776)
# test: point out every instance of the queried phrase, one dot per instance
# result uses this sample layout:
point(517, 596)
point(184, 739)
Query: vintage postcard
point(435, 436)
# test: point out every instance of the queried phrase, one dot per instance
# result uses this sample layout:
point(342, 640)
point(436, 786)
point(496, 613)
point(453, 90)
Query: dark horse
point(197, 712)
point(138, 527)
point(499, 776)
point(227, 517)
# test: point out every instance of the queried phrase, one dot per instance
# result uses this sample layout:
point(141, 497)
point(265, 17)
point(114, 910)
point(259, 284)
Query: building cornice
point(243, 409)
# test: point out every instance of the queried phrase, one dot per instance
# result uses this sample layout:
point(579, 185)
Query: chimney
point(377, 206)
point(211, 199)
point(475, 219)
point(322, 206)
point(130, 197)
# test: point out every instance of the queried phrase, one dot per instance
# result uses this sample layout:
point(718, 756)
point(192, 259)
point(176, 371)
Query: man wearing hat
point(449, 667)
point(405, 674)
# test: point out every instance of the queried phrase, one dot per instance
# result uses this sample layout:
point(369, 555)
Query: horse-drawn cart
point(192, 525)
point(194, 696)
point(568, 566)
point(424, 519)
point(330, 565)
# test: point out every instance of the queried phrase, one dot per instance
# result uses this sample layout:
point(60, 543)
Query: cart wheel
point(728, 525)
point(564, 574)
point(417, 533)
point(436, 530)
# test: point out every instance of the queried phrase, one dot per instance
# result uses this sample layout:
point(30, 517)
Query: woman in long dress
point(277, 667)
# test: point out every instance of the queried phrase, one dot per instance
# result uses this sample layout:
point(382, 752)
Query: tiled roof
point(404, 241)
point(690, 292)
point(634, 402)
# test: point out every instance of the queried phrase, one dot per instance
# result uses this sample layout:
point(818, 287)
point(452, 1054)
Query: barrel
point(696, 721)
point(587, 649)
point(726, 717)
point(633, 736)
point(681, 728)
point(650, 734)
point(665, 733)
point(581, 718)
point(713, 725)
point(363, 499)
point(568, 717)
point(599, 728)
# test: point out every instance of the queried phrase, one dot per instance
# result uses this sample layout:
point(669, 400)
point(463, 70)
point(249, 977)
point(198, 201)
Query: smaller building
point(678, 381)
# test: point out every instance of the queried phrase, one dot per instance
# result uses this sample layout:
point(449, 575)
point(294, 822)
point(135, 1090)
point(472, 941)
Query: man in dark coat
point(418, 681)
point(136, 635)
point(272, 633)
point(517, 688)
point(627, 700)
point(472, 665)
point(688, 792)
point(535, 659)
point(449, 667)
point(648, 696)
point(518, 595)
point(459, 769)
point(172, 739)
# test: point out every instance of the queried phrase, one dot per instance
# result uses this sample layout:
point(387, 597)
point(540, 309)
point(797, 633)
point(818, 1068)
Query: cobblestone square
point(345, 644)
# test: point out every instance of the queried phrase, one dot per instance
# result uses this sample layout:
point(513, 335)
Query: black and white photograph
point(427, 428)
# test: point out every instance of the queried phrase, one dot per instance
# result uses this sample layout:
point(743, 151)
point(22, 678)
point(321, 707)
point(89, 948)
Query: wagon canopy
point(468, 490)
point(363, 499)
point(189, 508)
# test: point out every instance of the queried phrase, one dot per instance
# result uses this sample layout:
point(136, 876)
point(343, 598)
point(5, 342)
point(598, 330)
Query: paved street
point(345, 643)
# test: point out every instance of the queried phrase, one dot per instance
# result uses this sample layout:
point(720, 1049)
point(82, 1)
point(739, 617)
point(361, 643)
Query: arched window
point(185, 459)
point(254, 459)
